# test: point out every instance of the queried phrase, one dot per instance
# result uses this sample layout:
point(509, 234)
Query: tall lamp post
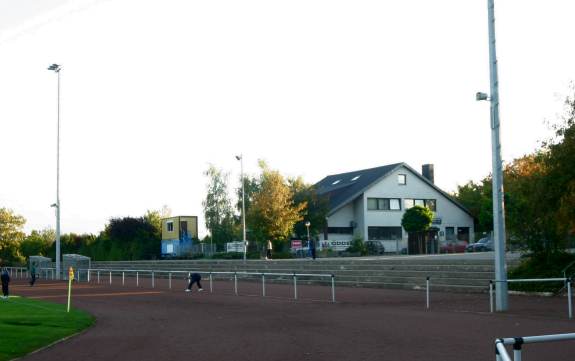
point(501, 294)
point(307, 224)
point(56, 68)
point(241, 159)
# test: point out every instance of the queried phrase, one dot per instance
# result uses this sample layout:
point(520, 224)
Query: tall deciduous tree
point(38, 243)
point(273, 212)
point(218, 212)
point(316, 210)
point(11, 235)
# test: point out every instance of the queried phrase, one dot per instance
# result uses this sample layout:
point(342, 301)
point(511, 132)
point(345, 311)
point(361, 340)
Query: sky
point(152, 92)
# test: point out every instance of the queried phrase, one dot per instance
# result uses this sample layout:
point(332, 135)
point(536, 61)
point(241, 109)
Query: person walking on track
point(269, 249)
point(5, 281)
point(194, 278)
point(32, 275)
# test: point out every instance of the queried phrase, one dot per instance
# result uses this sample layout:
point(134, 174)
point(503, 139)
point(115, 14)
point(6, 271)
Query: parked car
point(453, 246)
point(483, 245)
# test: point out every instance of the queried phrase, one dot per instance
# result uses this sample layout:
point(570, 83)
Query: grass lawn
point(26, 325)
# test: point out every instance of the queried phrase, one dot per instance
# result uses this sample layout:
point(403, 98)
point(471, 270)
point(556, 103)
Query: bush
point(358, 247)
point(541, 265)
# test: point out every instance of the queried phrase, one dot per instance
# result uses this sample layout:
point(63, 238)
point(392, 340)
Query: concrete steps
point(465, 274)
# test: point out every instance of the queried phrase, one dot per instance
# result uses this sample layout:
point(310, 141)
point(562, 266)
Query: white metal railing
point(17, 272)
point(567, 281)
point(100, 273)
point(518, 342)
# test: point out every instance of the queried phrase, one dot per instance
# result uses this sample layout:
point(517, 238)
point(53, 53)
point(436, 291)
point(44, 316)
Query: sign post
point(70, 279)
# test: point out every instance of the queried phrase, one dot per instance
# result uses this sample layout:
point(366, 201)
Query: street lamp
point(501, 294)
point(241, 159)
point(56, 68)
point(307, 224)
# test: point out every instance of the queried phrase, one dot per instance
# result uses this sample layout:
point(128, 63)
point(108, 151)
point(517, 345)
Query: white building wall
point(450, 214)
point(342, 218)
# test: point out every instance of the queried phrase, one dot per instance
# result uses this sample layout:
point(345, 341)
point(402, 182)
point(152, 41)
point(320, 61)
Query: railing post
point(153, 280)
point(427, 292)
point(211, 283)
point(98, 276)
point(236, 283)
point(170, 280)
point(569, 295)
point(88, 276)
point(110, 277)
point(517, 349)
point(294, 286)
point(333, 288)
point(263, 284)
point(491, 296)
point(137, 279)
point(123, 278)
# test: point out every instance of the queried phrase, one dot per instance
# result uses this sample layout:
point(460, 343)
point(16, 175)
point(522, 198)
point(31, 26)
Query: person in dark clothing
point(312, 248)
point(194, 278)
point(32, 275)
point(5, 281)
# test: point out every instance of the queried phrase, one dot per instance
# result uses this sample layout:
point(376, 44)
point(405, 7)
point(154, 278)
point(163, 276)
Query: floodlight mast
point(501, 294)
point(56, 68)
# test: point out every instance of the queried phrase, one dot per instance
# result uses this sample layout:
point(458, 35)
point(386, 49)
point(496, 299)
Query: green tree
point(315, 211)
point(130, 238)
point(218, 212)
point(417, 220)
point(273, 213)
point(38, 243)
point(11, 236)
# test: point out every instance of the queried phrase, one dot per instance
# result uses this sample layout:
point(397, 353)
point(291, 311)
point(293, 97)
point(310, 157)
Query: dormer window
point(336, 182)
point(355, 178)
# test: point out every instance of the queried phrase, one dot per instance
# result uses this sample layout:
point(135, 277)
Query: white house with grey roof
point(370, 203)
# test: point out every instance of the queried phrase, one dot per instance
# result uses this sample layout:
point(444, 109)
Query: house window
point(463, 234)
point(383, 204)
point(450, 233)
point(401, 179)
point(419, 202)
point(170, 248)
point(340, 230)
point(384, 233)
point(430, 203)
point(170, 226)
point(408, 203)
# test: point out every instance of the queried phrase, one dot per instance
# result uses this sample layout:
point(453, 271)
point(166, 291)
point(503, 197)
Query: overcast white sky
point(153, 91)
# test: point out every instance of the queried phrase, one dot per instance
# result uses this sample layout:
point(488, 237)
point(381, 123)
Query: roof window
point(336, 182)
point(355, 178)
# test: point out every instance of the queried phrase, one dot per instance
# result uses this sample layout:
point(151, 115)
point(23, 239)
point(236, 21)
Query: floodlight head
point(481, 96)
point(55, 205)
point(238, 157)
point(55, 67)
point(307, 224)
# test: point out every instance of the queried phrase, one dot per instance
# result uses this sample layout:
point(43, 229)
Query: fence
point(102, 274)
point(567, 281)
point(518, 342)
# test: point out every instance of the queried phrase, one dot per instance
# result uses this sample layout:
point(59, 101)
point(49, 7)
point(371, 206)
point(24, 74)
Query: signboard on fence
point(296, 244)
point(235, 247)
point(339, 245)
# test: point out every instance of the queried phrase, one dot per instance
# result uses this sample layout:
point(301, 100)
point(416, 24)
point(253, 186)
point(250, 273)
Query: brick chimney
point(427, 172)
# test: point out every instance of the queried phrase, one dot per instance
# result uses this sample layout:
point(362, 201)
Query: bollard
point(263, 285)
point(569, 295)
point(170, 280)
point(491, 296)
point(333, 288)
point(153, 280)
point(294, 286)
point(123, 278)
point(137, 279)
point(427, 292)
point(236, 283)
point(211, 283)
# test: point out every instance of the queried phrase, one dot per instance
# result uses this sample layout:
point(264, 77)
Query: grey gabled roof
point(347, 187)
